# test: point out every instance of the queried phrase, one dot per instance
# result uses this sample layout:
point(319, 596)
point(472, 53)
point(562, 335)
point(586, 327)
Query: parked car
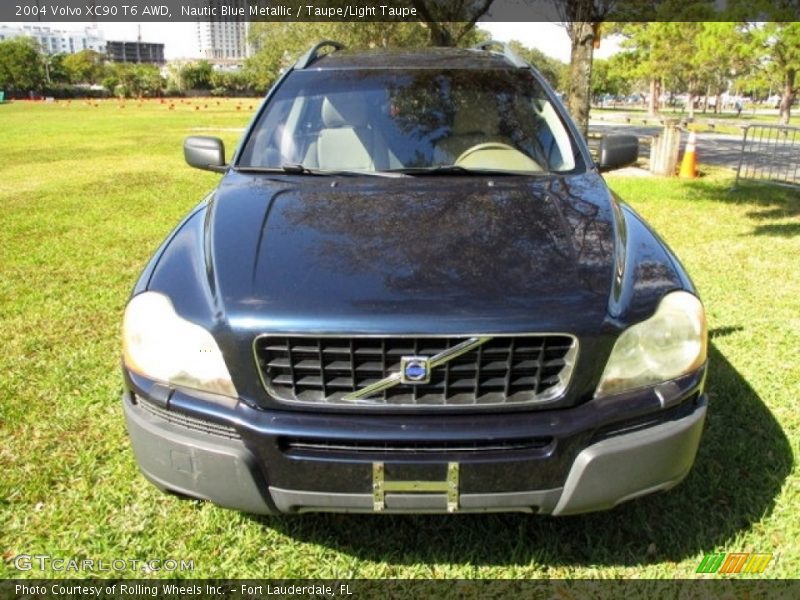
point(412, 291)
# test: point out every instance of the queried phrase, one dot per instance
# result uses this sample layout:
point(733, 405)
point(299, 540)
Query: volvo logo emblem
point(415, 369)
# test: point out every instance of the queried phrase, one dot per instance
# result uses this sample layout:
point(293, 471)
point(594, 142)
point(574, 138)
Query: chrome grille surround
point(467, 370)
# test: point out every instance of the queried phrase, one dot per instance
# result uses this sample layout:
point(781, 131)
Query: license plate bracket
point(381, 486)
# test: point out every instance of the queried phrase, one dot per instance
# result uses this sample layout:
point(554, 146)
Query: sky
point(180, 39)
point(550, 38)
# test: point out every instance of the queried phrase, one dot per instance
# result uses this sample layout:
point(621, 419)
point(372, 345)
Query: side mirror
point(617, 151)
point(203, 152)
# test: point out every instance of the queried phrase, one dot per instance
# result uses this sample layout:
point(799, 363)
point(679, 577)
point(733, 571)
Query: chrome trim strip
point(384, 384)
point(554, 393)
point(435, 361)
point(457, 350)
point(345, 334)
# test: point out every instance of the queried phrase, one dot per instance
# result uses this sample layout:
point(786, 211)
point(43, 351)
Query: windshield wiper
point(298, 169)
point(292, 169)
point(457, 170)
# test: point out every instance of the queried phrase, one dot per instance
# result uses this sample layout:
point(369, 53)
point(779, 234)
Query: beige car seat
point(347, 141)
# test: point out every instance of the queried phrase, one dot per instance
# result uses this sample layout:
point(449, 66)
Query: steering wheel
point(496, 155)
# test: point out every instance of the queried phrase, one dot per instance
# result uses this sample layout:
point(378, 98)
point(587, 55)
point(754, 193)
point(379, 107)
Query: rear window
point(376, 120)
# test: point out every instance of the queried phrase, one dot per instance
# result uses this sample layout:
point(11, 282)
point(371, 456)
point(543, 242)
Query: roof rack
point(510, 55)
point(313, 54)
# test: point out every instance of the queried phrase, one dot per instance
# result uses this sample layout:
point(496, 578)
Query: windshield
point(412, 120)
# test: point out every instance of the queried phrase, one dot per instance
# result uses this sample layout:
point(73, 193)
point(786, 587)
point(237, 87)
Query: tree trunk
point(440, 36)
point(652, 107)
point(449, 22)
point(691, 104)
point(788, 97)
point(580, 72)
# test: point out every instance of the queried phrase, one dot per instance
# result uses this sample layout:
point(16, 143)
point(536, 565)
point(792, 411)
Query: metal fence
point(770, 153)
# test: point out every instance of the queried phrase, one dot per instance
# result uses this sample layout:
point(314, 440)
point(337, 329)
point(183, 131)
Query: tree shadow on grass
point(779, 229)
point(743, 460)
point(772, 202)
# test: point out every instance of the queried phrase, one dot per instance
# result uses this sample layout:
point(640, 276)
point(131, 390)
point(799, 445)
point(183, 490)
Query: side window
point(553, 138)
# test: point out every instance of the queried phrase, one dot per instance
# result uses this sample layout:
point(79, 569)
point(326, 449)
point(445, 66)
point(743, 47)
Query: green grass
point(86, 195)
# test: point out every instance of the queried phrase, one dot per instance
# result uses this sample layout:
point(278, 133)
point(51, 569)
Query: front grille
point(412, 447)
point(505, 370)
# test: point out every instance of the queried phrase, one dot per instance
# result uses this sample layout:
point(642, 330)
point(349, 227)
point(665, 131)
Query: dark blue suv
point(412, 291)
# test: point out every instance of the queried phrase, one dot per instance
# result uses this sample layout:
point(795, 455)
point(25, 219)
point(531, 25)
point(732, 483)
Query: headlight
point(671, 343)
point(159, 344)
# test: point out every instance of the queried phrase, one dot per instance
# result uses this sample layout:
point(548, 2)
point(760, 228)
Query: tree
point(86, 66)
point(229, 82)
point(131, 80)
point(665, 53)
point(552, 69)
point(667, 46)
point(21, 65)
point(724, 52)
point(149, 81)
point(196, 76)
point(56, 70)
point(758, 82)
point(676, 58)
point(279, 45)
point(638, 46)
point(612, 76)
point(781, 42)
point(582, 19)
point(450, 23)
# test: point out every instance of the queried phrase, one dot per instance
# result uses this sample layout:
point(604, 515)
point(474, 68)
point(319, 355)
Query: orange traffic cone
point(689, 163)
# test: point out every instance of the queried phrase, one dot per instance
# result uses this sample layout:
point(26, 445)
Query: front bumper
point(566, 461)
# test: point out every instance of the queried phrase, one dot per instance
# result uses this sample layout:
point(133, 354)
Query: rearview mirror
point(204, 152)
point(617, 151)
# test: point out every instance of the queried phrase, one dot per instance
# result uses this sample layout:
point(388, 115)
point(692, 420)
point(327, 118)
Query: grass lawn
point(88, 192)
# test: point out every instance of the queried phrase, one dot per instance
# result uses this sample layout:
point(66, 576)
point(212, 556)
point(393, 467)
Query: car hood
point(412, 254)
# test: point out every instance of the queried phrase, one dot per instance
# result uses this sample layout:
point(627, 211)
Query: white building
point(53, 41)
point(222, 39)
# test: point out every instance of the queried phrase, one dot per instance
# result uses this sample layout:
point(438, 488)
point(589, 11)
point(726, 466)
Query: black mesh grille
point(503, 370)
point(188, 422)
